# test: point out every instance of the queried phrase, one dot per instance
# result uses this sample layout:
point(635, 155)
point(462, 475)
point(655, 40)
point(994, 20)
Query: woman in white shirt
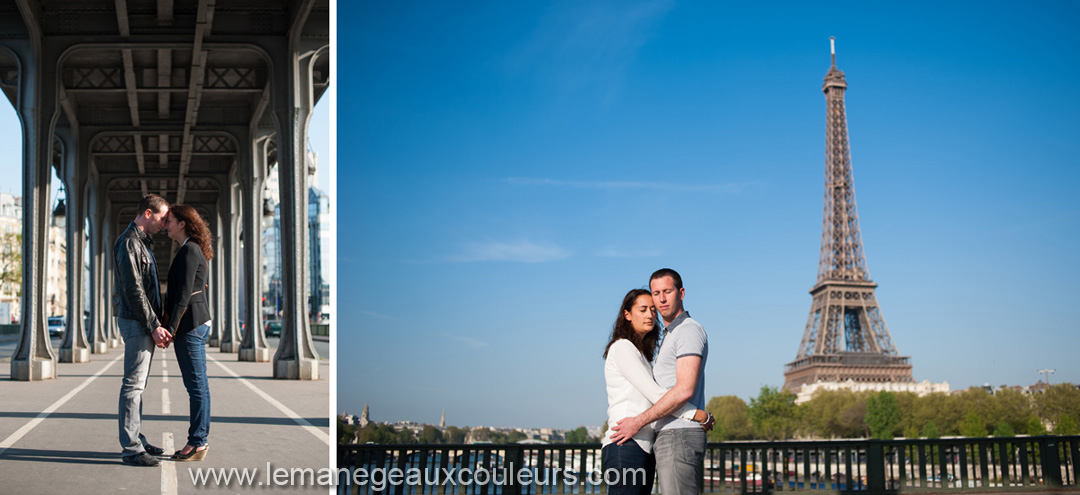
point(630, 468)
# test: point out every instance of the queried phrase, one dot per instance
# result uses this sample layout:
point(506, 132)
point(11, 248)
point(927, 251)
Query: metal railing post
point(875, 468)
point(1051, 461)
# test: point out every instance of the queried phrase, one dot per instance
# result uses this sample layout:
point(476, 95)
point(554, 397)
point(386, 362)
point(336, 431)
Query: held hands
point(162, 338)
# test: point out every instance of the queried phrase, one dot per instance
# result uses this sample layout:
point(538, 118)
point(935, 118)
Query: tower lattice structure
point(846, 336)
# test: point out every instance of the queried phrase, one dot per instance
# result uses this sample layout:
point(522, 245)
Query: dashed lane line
point(168, 467)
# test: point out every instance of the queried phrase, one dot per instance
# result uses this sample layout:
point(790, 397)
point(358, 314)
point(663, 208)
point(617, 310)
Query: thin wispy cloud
point(377, 316)
point(521, 251)
point(477, 344)
point(589, 46)
point(726, 188)
point(628, 253)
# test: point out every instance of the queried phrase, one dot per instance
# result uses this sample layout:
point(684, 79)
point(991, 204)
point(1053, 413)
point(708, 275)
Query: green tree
point(346, 432)
point(911, 432)
point(1058, 401)
point(1004, 429)
point(454, 435)
point(11, 264)
point(431, 435)
point(1035, 426)
point(824, 414)
point(732, 419)
point(1066, 425)
point(882, 415)
point(774, 414)
point(853, 420)
point(515, 437)
point(973, 427)
point(1010, 406)
point(383, 434)
point(577, 435)
point(930, 430)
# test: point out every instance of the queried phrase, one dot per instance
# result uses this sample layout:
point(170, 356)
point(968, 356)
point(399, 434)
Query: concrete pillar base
point(255, 355)
point(99, 348)
point(214, 342)
point(33, 370)
point(114, 343)
point(74, 355)
point(230, 347)
point(303, 369)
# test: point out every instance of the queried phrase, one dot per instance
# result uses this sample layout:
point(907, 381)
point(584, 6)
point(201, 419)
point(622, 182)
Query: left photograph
point(166, 246)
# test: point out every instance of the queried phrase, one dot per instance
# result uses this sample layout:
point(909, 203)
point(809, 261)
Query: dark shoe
point(140, 459)
point(150, 449)
point(194, 455)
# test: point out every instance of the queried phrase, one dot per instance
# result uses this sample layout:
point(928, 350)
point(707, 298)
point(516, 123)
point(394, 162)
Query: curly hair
point(622, 329)
point(195, 228)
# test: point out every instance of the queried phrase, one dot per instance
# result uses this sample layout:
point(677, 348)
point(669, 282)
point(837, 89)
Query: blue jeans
point(628, 469)
point(138, 353)
point(191, 356)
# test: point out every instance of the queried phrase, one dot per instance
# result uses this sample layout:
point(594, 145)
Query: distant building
point(56, 268)
point(318, 253)
point(320, 243)
point(806, 392)
point(11, 262)
point(10, 257)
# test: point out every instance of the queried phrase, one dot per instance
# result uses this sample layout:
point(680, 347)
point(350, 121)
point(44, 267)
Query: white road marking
point(165, 404)
point(280, 407)
point(168, 467)
point(21, 432)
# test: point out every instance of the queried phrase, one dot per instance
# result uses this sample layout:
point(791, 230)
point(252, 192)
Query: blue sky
point(514, 168)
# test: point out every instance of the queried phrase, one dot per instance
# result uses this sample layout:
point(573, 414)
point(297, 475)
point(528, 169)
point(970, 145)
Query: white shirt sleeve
point(632, 366)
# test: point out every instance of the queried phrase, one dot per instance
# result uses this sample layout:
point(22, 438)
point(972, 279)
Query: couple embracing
point(147, 324)
point(656, 422)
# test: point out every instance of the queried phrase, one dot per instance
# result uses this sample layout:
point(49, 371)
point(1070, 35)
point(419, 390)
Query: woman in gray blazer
point(187, 316)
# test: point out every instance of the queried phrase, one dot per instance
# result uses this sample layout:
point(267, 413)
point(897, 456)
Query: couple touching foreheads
point(656, 422)
point(145, 323)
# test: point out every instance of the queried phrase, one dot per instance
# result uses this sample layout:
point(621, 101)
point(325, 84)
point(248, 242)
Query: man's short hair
point(152, 202)
point(667, 272)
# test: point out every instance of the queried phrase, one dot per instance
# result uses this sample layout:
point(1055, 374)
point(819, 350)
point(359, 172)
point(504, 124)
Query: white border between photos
point(331, 413)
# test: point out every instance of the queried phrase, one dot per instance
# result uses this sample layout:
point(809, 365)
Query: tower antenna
point(832, 48)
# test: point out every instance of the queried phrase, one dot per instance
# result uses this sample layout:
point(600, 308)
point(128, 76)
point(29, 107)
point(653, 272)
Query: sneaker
point(141, 459)
point(152, 450)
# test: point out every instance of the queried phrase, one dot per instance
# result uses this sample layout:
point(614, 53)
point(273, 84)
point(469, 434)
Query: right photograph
point(617, 248)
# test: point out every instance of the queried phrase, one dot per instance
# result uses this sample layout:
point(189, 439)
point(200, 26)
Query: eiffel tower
point(845, 337)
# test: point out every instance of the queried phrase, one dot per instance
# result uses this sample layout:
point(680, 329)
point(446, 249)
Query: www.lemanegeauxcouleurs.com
point(381, 478)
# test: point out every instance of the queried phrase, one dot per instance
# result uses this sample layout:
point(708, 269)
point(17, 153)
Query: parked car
point(273, 328)
point(56, 326)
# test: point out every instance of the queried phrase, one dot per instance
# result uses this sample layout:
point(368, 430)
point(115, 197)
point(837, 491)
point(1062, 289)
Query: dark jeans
point(629, 469)
point(191, 356)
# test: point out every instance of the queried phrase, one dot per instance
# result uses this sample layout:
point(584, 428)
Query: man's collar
point(678, 319)
point(143, 236)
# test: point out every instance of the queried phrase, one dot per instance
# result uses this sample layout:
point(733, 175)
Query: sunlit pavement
point(61, 435)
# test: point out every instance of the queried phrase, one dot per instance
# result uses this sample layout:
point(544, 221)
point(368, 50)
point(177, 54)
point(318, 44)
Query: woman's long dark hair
point(623, 329)
point(195, 228)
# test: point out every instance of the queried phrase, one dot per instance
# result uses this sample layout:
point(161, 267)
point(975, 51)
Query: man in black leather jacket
point(137, 300)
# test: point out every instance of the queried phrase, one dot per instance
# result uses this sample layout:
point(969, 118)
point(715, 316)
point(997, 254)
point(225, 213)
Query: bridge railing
point(847, 466)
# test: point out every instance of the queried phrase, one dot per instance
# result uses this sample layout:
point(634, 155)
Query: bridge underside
point(193, 100)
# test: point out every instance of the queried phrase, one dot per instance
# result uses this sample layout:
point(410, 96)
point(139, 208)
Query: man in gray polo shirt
point(680, 367)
